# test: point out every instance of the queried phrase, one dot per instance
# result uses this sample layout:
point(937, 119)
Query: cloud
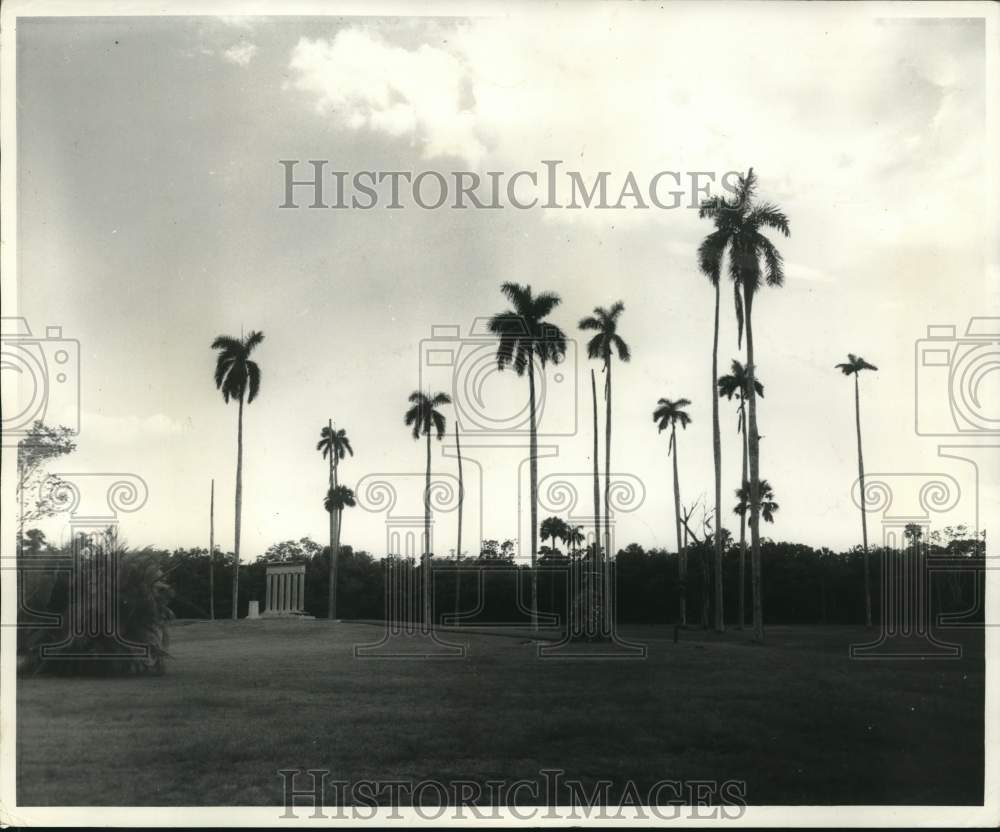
point(241, 53)
point(123, 430)
point(363, 82)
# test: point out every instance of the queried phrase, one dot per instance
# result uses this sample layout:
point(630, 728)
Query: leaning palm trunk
point(864, 519)
point(681, 554)
point(533, 464)
point(754, 459)
point(239, 508)
point(427, 539)
point(717, 453)
point(743, 523)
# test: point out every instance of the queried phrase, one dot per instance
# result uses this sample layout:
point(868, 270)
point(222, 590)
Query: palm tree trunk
point(335, 518)
point(533, 464)
point(681, 558)
point(331, 592)
point(753, 445)
point(211, 554)
point(239, 508)
point(743, 522)
point(605, 576)
point(427, 538)
point(864, 518)
point(717, 452)
point(458, 547)
point(597, 482)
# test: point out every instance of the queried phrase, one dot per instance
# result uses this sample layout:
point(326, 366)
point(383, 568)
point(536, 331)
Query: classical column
point(267, 592)
point(302, 591)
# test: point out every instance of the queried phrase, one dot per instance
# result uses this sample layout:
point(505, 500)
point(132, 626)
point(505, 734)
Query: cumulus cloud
point(363, 82)
point(241, 53)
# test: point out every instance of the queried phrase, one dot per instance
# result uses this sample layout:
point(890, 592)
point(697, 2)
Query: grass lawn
point(796, 719)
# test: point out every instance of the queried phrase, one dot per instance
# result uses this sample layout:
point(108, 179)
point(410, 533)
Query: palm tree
point(554, 528)
point(338, 497)
point(739, 225)
point(334, 445)
point(597, 479)
point(458, 544)
point(738, 383)
point(711, 270)
point(422, 417)
point(853, 367)
point(526, 339)
point(237, 377)
point(768, 506)
point(669, 414)
point(574, 537)
point(603, 346)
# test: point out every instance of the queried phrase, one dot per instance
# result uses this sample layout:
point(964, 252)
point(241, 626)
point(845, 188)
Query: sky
point(150, 182)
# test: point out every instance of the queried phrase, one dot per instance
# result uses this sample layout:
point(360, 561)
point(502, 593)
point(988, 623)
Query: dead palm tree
point(334, 445)
point(237, 377)
point(669, 414)
point(603, 346)
point(737, 383)
point(526, 339)
point(853, 367)
point(739, 226)
point(423, 417)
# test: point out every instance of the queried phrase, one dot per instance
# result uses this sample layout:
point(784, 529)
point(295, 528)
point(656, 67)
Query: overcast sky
point(150, 182)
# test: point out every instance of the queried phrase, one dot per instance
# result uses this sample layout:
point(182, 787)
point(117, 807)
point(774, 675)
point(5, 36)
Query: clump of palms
point(768, 507)
point(334, 446)
point(740, 223)
point(854, 366)
point(527, 341)
point(668, 415)
point(737, 383)
point(424, 418)
point(238, 378)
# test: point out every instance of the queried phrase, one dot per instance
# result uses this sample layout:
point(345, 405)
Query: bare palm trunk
point(717, 452)
point(458, 547)
point(864, 518)
point(427, 538)
point(605, 572)
point(211, 554)
point(753, 445)
point(743, 521)
point(239, 508)
point(331, 592)
point(681, 555)
point(533, 463)
point(598, 562)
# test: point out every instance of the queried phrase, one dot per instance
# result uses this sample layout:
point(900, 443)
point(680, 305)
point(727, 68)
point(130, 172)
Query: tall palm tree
point(711, 270)
point(737, 383)
point(603, 346)
point(526, 338)
point(237, 377)
point(853, 367)
point(768, 507)
point(338, 497)
point(739, 230)
point(597, 478)
point(334, 445)
point(669, 414)
point(423, 416)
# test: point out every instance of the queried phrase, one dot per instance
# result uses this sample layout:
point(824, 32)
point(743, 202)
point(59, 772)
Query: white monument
point(285, 593)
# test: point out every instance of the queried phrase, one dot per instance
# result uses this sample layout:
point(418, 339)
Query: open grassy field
point(796, 719)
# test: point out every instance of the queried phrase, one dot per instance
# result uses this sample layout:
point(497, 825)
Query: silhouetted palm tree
point(526, 338)
point(853, 367)
point(603, 346)
point(237, 377)
point(335, 446)
point(574, 537)
point(768, 506)
point(554, 528)
point(423, 416)
point(737, 383)
point(669, 414)
point(739, 225)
